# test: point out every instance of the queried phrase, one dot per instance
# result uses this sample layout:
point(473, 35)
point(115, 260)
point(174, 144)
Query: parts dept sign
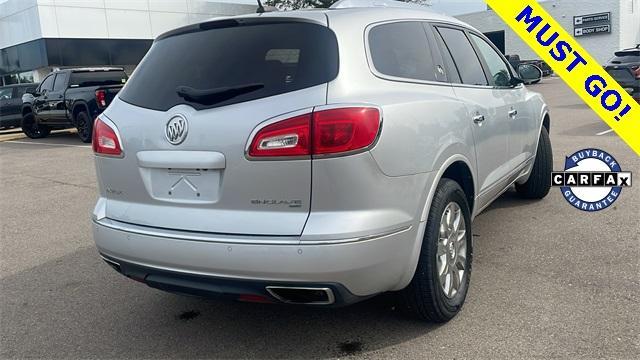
point(592, 24)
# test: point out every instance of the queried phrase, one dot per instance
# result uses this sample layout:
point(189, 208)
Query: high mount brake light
point(325, 132)
point(105, 139)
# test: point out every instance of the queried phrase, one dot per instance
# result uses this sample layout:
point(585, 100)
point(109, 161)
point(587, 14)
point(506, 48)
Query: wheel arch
point(456, 166)
point(77, 107)
point(546, 121)
point(26, 109)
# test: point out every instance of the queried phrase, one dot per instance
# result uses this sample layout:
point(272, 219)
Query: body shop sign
point(592, 30)
point(592, 24)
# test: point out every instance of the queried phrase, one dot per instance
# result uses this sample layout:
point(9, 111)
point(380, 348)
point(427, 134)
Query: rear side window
point(464, 56)
point(452, 71)
point(47, 84)
point(97, 78)
point(402, 50)
point(278, 57)
point(61, 81)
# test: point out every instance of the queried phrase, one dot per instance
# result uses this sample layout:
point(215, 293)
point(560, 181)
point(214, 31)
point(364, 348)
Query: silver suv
point(315, 157)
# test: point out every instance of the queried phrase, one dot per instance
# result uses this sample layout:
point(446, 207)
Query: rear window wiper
point(215, 95)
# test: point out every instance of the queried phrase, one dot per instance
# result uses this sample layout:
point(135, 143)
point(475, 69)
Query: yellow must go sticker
point(574, 65)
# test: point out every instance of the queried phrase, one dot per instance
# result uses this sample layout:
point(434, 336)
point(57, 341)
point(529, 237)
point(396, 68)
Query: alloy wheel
point(451, 257)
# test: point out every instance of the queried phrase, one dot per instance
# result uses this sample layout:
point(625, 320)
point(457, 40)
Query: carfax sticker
point(592, 180)
point(574, 65)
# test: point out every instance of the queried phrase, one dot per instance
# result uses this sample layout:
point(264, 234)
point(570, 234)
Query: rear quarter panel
point(424, 124)
point(424, 130)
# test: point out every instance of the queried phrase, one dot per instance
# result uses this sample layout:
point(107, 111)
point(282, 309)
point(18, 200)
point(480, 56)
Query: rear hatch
point(184, 164)
point(624, 68)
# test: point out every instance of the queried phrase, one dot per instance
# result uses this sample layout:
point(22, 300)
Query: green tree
point(301, 4)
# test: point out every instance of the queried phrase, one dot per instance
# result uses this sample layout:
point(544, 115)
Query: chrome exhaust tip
point(302, 295)
point(113, 264)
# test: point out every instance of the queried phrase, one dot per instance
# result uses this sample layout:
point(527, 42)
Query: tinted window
point(97, 78)
point(284, 57)
point(61, 82)
point(500, 75)
point(452, 72)
point(626, 57)
point(401, 50)
point(21, 90)
point(465, 57)
point(47, 84)
point(5, 93)
point(11, 79)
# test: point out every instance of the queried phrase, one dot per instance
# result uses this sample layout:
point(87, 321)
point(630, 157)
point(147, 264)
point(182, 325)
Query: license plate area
point(183, 185)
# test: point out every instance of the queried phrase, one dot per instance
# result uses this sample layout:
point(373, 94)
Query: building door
point(497, 38)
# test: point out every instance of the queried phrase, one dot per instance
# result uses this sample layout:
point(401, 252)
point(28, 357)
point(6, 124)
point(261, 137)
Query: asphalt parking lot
point(548, 281)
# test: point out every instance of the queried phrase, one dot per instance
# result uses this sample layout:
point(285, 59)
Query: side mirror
point(529, 73)
point(515, 81)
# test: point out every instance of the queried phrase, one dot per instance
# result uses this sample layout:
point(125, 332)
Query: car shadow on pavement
point(509, 199)
point(88, 310)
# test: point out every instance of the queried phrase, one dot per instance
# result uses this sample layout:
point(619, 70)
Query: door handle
point(513, 113)
point(478, 119)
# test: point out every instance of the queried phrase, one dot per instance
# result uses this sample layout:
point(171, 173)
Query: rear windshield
point(97, 78)
point(622, 75)
point(281, 57)
point(626, 57)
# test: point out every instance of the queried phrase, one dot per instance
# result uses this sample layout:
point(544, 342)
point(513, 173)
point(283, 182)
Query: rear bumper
point(354, 270)
point(216, 287)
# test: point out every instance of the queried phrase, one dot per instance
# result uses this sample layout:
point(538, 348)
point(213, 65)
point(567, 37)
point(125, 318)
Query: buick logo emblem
point(177, 129)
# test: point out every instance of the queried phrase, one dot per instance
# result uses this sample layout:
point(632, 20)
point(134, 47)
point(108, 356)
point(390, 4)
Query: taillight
point(323, 132)
point(344, 130)
point(101, 98)
point(285, 138)
point(105, 139)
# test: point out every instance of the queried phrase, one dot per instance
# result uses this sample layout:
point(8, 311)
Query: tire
point(425, 297)
point(84, 126)
point(539, 183)
point(32, 129)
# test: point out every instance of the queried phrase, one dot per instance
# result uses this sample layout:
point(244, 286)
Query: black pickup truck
point(70, 98)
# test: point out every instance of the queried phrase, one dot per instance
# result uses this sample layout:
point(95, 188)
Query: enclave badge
point(176, 130)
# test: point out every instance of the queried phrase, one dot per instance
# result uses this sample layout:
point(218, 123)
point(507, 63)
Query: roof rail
point(346, 4)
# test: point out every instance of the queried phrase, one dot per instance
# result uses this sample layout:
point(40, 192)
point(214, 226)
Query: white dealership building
point(37, 36)
point(602, 27)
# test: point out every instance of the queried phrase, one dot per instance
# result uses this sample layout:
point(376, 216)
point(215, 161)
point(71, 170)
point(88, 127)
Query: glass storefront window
point(21, 78)
point(11, 79)
point(26, 77)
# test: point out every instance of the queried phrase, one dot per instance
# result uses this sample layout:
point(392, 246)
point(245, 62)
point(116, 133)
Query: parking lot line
point(605, 132)
point(47, 144)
